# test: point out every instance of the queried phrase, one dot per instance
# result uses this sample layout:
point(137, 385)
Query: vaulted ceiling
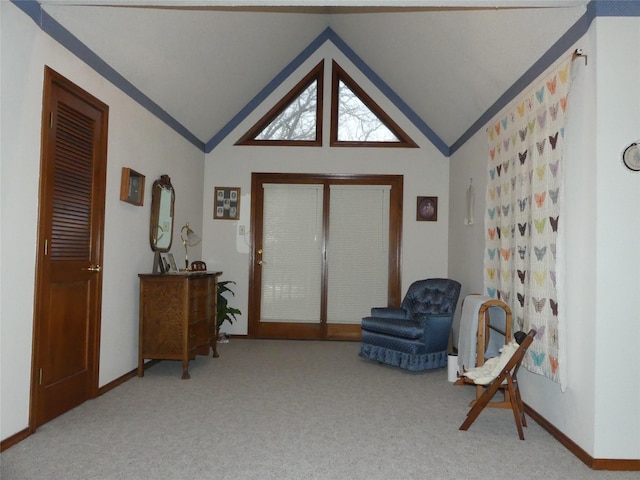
point(201, 62)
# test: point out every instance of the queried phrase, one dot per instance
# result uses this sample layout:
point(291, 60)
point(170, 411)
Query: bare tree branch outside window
point(297, 121)
point(356, 122)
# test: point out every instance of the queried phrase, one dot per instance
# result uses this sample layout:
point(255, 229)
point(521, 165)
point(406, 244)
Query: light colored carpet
point(275, 409)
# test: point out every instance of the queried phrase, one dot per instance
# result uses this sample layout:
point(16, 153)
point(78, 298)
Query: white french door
point(325, 250)
point(358, 257)
point(291, 253)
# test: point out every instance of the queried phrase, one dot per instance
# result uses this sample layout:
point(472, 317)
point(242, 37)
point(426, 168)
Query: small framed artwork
point(132, 187)
point(170, 263)
point(166, 268)
point(427, 209)
point(226, 203)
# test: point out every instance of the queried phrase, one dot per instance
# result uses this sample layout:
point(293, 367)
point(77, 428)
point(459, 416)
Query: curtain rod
point(579, 53)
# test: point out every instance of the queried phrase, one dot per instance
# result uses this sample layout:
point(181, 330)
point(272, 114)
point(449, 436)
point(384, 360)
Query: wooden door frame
point(395, 237)
point(52, 77)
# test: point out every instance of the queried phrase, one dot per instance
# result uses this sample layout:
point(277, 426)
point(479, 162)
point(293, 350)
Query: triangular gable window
point(357, 121)
point(294, 120)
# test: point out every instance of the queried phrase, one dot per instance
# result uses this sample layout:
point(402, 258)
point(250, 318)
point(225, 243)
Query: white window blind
point(358, 251)
point(292, 253)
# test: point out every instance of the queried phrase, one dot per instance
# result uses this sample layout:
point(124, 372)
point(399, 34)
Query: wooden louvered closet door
point(69, 272)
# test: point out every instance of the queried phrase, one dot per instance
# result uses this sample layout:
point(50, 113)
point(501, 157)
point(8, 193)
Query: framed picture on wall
point(132, 187)
point(226, 203)
point(427, 209)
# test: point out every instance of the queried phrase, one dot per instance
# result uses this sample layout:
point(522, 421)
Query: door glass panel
point(358, 251)
point(291, 253)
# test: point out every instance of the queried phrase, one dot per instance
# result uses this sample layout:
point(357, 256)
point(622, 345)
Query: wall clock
point(631, 157)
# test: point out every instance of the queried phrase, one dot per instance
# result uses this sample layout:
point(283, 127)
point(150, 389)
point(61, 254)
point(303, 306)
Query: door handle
point(93, 268)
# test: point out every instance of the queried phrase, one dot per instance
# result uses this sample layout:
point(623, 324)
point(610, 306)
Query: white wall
point(425, 170)
point(466, 242)
point(137, 140)
point(599, 409)
point(617, 274)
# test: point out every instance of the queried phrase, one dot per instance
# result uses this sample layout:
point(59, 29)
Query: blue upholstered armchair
point(414, 336)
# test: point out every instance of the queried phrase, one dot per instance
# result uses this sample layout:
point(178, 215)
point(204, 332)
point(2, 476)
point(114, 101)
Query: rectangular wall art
point(226, 203)
point(427, 209)
point(132, 187)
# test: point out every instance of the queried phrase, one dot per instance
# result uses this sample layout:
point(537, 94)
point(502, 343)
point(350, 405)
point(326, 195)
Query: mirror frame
point(160, 186)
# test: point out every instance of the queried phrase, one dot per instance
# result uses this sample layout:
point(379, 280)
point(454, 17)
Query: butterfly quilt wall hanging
point(523, 215)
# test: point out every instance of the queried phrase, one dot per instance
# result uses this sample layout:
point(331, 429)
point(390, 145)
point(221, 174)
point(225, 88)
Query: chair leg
point(517, 406)
point(520, 404)
point(480, 403)
point(517, 415)
point(511, 389)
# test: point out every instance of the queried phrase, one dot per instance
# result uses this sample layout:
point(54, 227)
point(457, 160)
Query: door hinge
point(40, 377)
point(46, 246)
point(50, 119)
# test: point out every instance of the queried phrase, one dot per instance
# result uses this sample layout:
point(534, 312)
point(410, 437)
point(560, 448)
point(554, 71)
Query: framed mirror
point(161, 226)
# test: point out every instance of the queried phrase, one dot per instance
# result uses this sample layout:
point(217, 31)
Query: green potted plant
point(225, 312)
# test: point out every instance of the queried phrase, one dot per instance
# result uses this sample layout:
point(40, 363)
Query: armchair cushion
point(398, 327)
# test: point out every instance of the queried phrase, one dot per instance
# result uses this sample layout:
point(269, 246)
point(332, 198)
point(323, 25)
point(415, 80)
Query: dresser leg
point(213, 338)
point(185, 374)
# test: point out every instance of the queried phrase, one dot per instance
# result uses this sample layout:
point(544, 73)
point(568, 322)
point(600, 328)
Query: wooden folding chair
point(484, 331)
point(506, 381)
point(485, 327)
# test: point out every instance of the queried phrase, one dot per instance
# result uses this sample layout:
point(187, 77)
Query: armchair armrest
point(389, 312)
point(437, 328)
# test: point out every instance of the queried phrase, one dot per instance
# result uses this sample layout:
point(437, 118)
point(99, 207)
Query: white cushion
point(493, 367)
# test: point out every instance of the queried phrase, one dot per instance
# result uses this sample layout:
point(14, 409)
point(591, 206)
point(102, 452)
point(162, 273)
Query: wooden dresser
point(177, 317)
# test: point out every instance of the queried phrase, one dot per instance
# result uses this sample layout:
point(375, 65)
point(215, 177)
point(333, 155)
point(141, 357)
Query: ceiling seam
point(329, 35)
point(54, 29)
point(595, 8)
point(64, 37)
point(266, 91)
point(575, 32)
point(381, 85)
